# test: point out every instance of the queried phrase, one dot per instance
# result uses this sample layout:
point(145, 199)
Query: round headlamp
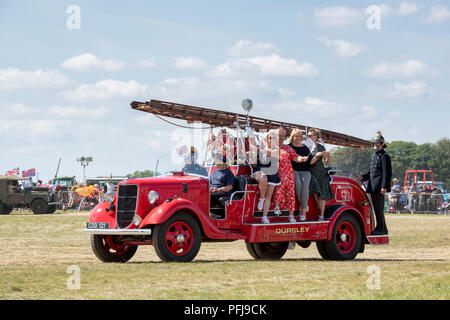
point(136, 220)
point(153, 196)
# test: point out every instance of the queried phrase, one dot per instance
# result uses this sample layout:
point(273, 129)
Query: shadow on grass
point(294, 260)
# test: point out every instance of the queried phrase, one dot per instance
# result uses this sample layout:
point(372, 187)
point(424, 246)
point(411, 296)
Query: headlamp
point(153, 196)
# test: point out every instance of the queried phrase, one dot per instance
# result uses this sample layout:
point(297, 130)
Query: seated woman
point(221, 181)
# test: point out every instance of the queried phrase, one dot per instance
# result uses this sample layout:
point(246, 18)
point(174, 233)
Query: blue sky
point(66, 92)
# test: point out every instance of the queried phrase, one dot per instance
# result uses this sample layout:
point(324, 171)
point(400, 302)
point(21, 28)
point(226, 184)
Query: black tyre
point(39, 206)
point(108, 249)
point(346, 240)
point(5, 209)
point(269, 250)
point(178, 239)
point(322, 250)
point(251, 250)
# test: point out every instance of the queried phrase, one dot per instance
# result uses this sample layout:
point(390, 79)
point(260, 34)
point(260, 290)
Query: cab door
point(15, 196)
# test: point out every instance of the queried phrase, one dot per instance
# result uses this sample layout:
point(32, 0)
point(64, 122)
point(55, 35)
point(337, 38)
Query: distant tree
point(404, 156)
point(351, 159)
point(142, 174)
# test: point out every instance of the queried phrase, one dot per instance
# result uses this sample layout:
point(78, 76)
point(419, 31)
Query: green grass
point(37, 251)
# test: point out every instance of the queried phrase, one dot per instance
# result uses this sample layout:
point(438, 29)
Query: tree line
point(404, 156)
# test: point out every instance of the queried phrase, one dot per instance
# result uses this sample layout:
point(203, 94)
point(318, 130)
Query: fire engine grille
point(126, 204)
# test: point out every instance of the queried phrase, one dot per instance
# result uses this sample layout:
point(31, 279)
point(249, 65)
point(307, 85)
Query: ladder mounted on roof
point(219, 118)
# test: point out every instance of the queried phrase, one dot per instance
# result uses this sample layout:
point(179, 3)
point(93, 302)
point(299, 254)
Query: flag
point(29, 173)
point(13, 172)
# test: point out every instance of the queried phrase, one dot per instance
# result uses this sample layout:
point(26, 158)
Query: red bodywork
point(242, 220)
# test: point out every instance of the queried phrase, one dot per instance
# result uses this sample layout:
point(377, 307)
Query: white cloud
point(89, 62)
point(13, 78)
point(438, 14)
point(22, 109)
point(342, 48)
point(407, 8)
point(192, 63)
point(107, 89)
point(274, 65)
point(404, 9)
point(410, 68)
point(72, 112)
point(409, 90)
point(244, 48)
point(338, 16)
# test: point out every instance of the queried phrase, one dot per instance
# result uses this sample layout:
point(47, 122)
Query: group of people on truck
point(285, 172)
point(282, 171)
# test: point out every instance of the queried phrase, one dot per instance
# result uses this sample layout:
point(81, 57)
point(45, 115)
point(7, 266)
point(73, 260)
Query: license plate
point(97, 225)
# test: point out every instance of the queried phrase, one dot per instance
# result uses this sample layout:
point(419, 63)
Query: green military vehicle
point(17, 192)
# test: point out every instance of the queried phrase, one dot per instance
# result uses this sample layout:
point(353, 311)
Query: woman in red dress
point(285, 193)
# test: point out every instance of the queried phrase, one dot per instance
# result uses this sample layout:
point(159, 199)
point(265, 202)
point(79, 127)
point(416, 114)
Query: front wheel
point(39, 206)
point(267, 250)
point(345, 242)
point(108, 249)
point(178, 239)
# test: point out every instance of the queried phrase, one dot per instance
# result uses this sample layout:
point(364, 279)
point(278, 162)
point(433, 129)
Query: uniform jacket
point(380, 173)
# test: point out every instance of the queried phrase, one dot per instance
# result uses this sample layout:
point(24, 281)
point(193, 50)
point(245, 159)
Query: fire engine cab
point(173, 212)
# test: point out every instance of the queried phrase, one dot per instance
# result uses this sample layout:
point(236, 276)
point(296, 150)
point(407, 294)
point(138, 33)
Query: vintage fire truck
point(173, 212)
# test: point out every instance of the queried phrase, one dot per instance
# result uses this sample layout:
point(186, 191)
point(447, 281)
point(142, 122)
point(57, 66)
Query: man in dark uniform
point(379, 177)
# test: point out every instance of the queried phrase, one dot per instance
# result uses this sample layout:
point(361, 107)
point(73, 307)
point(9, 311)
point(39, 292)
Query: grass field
point(38, 251)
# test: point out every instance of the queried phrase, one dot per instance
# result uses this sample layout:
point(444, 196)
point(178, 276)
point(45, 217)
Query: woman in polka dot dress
point(285, 193)
point(320, 183)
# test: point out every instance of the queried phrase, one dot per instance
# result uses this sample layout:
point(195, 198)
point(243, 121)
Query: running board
point(378, 240)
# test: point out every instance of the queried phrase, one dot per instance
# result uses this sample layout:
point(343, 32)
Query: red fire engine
point(173, 212)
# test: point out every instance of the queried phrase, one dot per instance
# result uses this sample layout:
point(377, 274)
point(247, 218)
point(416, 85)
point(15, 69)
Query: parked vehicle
point(14, 193)
point(173, 212)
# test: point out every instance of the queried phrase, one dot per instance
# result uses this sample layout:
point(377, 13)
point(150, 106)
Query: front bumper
point(120, 232)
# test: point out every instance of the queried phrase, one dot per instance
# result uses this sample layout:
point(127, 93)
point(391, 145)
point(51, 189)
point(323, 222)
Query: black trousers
point(215, 196)
point(378, 206)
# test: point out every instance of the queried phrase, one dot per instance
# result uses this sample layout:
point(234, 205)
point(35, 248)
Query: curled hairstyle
point(293, 133)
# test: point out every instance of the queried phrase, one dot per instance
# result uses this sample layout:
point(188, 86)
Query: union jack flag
point(13, 172)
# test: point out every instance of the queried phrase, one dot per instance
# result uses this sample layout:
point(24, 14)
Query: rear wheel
point(39, 206)
point(178, 239)
point(108, 249)
point(5, 209)
point(346, 240)
point(267, 250)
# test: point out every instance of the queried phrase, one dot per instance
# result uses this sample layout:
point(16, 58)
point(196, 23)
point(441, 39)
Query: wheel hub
point(343, 237)
point(180, 238)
